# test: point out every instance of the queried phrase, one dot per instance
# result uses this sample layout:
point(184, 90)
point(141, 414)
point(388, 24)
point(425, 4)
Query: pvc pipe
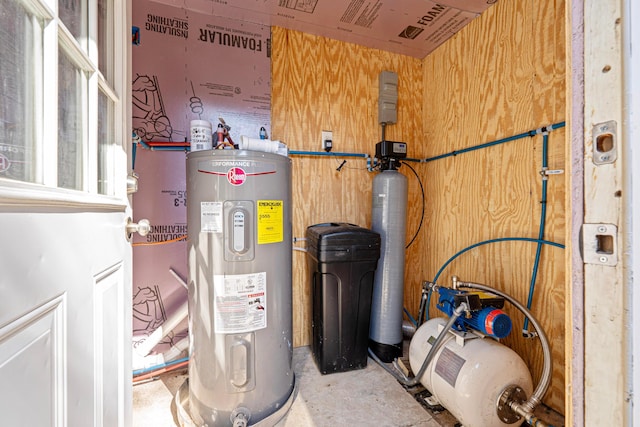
point(176, 350)
point(178, 278)
point(162, 331)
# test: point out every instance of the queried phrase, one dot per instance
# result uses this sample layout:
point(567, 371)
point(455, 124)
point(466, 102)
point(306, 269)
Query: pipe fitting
point(529, 417)
point(240, 417)
point(511, 395)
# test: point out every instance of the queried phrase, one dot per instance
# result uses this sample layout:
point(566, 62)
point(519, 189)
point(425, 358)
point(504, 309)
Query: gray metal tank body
point(240, 318)
point(388, 218)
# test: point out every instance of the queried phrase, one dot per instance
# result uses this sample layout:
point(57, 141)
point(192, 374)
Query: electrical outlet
point(327, 140)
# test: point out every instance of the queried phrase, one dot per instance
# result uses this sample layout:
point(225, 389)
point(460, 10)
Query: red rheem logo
point(236, 176)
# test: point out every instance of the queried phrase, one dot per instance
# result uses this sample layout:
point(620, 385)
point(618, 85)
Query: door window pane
point(105, 39)
point(71, 14)
point(70, 123)
point(19, 33)
point(106, 145)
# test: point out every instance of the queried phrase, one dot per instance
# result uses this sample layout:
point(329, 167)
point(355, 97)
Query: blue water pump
point(484, 315)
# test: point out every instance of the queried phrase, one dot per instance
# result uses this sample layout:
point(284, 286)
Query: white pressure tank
point(468, 376)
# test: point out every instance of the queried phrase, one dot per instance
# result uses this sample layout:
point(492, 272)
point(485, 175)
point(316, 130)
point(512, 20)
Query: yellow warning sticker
point(270, 221)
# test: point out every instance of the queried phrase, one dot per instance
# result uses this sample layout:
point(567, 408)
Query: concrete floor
point(362, 397)
point(356, 398)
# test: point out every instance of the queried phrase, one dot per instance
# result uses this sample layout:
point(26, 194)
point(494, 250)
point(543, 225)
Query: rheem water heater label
point(240, 302)
point(211, 217)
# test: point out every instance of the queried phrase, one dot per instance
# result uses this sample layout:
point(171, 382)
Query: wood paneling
point(502, 75)
point(322, 84)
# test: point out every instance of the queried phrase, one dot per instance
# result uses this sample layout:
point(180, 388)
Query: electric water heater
point(239, 254)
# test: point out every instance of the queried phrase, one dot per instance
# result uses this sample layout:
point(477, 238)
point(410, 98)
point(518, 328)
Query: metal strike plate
point(605, 143)
point(600, 244)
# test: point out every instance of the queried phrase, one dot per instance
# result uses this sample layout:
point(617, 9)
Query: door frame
point(602, 331)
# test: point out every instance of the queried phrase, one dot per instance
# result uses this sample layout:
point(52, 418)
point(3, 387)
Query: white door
point(65, 261)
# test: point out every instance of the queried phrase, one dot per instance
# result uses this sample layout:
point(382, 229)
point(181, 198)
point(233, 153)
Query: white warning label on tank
point(449, 365)
point(211, 217)
point(240, 302)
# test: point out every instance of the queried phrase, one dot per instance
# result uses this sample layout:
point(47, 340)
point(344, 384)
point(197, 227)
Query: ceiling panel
point(408, 27)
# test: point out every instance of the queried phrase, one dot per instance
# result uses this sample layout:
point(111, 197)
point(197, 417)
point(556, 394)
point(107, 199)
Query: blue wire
point(486, 242)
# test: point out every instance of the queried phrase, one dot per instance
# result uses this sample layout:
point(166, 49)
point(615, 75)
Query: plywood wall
point(322, 84)
point(502, 75)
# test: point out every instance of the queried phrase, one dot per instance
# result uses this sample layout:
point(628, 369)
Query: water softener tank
point(388, 218)
point(240, 319)
point(468, 376)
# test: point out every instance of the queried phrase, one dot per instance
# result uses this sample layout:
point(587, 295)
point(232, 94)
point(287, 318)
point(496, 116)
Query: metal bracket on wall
point(599, 244)
point(605, 143)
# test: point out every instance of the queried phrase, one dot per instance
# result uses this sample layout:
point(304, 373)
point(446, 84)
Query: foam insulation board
point(408, 27)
